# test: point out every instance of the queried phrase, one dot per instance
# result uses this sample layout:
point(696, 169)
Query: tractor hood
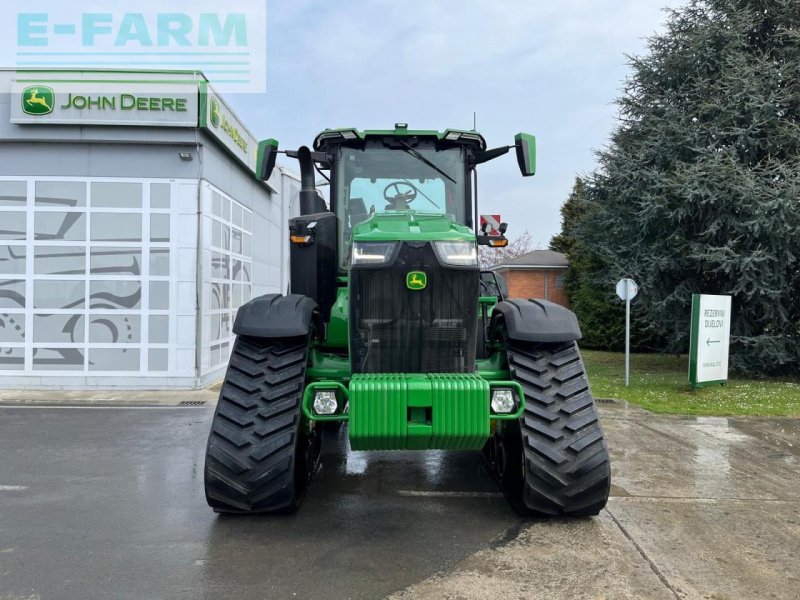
point(410, 225)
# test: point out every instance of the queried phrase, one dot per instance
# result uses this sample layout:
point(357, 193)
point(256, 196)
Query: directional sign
point(627, 289)
point(494, 224)
point(711, 328)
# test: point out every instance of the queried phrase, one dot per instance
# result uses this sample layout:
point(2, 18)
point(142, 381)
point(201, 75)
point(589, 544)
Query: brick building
point(537, 274)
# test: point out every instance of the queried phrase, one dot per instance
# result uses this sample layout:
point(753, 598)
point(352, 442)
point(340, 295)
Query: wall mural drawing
point(99, 298)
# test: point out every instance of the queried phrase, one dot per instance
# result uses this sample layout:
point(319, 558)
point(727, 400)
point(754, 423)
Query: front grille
point(398, 330)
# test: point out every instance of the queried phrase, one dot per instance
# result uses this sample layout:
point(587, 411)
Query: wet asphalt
point(108, 503)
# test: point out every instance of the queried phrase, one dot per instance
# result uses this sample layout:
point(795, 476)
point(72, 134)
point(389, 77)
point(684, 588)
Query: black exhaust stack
point(310, 200)
point(313, 248)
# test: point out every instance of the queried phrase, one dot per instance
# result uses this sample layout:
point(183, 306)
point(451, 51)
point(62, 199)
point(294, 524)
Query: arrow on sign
point(709, 341)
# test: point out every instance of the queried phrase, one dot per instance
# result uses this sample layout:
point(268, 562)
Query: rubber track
point(251, 448)
point(566, 456)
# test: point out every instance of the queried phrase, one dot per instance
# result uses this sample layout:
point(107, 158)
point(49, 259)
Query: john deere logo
point(38, 100)
point(215, 112)
point(416, 280)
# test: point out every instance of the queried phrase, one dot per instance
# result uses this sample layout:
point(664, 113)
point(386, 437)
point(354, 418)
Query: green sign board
point(710, 339)
point(221, 122)
point(122, 98)
point(51, 101)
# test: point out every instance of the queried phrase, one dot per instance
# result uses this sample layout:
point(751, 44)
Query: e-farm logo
point(227, 42)
point(38, 100)
point(416, 280)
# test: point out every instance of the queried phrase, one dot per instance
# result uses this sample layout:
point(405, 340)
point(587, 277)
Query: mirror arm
point(487, 155)
point(320, 157)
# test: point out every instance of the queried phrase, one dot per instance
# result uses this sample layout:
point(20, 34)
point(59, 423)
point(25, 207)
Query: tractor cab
point(385, 172)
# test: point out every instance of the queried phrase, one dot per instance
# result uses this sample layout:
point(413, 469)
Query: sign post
point(627, 290)
point(710, 339)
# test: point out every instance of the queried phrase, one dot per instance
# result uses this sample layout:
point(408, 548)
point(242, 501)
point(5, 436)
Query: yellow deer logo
point(416, 280)
point(34, 99)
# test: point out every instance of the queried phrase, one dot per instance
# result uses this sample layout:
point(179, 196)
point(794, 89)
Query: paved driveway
point(107, 503)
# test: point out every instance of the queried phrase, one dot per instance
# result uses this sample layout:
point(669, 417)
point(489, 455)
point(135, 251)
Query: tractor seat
point(399, 205)
point(358, 211)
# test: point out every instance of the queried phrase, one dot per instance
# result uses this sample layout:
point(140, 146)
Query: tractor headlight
point(372, 253)
point(457, 254)
point(503, 401)
point(325, 402)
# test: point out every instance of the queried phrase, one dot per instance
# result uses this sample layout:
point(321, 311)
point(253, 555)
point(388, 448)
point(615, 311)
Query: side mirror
point(525, 144)
point(265, 161)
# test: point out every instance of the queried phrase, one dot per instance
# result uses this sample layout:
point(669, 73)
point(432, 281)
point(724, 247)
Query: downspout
point(198, 340)
point(284, 289)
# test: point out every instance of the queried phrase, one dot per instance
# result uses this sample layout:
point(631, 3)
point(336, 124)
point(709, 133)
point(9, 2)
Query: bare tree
point(489, 257)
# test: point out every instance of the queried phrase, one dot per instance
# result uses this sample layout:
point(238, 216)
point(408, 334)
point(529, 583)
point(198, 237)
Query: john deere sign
point(220, 122)
point(124, 102)
point(54, 100)
point(38, 100)
point(224, 119)
point(172, 104)
point(214, 112)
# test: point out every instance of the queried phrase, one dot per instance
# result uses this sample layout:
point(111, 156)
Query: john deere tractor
point(390, 326)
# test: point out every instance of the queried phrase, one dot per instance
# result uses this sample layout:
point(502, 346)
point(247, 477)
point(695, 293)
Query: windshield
point(376, 180)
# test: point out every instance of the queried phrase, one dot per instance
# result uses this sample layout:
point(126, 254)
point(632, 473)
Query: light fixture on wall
point(185, 155)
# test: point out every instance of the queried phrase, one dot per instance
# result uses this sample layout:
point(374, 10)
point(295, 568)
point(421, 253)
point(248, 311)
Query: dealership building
point(132, 227)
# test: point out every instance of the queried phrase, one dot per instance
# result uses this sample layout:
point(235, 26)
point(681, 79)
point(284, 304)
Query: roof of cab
point(400, 130)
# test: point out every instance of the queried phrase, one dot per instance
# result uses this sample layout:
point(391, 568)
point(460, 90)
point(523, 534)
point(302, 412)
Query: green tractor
point(391, 326)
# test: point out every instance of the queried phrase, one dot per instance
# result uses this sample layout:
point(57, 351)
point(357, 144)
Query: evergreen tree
point(699, 189)
point(600, 313)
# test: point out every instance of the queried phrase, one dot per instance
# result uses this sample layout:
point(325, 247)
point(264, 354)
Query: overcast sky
point(549, 68)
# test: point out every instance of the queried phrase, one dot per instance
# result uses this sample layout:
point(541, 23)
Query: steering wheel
point(401, 199)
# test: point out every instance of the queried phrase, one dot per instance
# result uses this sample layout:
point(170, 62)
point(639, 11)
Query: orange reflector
point(502, 243)
point(300, 239)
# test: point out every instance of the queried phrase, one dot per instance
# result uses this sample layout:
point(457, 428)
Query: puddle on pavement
point(719, 428)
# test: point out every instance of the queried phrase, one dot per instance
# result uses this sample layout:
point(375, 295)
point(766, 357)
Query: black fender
point(534, 320)
point(276, 316)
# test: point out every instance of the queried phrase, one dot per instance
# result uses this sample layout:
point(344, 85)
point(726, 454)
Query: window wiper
point(424, 195)
point(416, 154)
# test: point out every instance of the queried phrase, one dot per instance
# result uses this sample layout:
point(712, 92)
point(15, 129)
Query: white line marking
point(13, 488)
point(424, 494)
